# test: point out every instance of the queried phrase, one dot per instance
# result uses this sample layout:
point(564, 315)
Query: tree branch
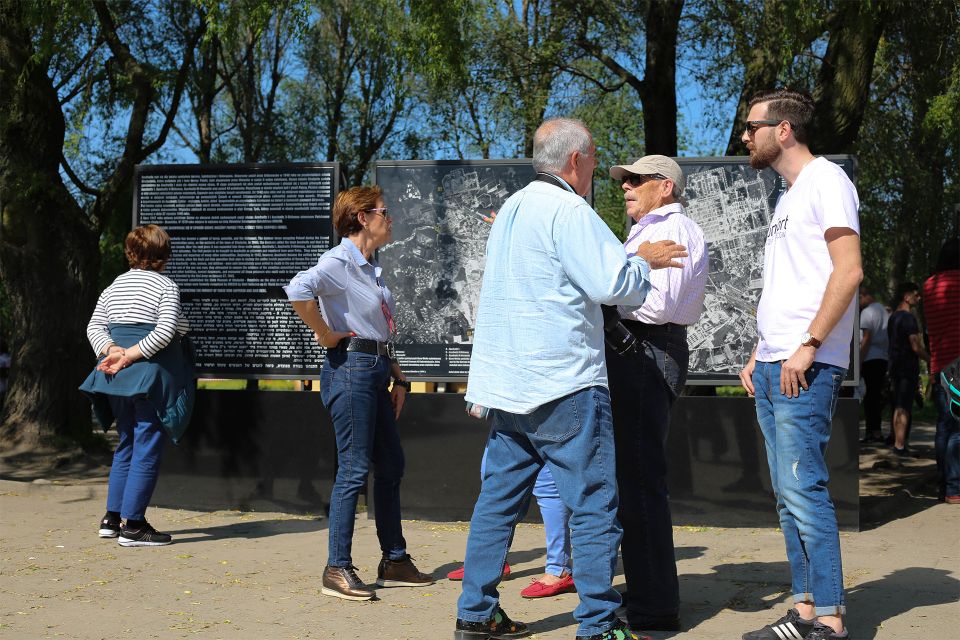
point(75, 179)
point(619, 70)
point(83, 61)
point(177, 93)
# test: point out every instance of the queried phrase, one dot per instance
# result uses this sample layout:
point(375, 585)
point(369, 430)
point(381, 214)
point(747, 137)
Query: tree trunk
point(843, 85)
point(49, 256)
point(761, 66)
point(659, 94)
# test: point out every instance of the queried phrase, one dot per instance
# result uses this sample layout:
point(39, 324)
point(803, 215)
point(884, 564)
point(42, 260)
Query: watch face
point(805, 338)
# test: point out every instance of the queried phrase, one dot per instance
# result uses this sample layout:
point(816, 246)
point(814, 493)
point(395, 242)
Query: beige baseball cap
point(649, 165)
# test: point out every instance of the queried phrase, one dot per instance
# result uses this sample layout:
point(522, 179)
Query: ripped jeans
point(796, 431)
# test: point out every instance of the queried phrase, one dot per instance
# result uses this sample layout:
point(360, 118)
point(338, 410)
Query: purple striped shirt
point(676, 294)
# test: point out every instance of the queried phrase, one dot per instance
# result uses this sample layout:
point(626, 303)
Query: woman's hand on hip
point(332, 338)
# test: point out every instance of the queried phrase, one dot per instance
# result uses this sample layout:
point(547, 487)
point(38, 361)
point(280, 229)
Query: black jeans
point(643, 387)
point(875, 381)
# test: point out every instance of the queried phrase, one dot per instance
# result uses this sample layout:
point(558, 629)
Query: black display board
point(238, 234)
point(733, 204)
point(434, 265)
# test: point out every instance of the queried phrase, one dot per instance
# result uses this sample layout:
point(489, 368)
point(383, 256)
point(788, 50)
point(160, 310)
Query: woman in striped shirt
point(140, 380)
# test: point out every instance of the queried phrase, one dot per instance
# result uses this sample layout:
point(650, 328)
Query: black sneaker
point(110, 526)
point(619, 631)
point(821, 631)
point(499, 627)
point(789, 627)
point(143, 536)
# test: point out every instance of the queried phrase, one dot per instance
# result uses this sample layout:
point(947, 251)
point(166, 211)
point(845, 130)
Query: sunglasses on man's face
point(754, 125)
point(636, 181)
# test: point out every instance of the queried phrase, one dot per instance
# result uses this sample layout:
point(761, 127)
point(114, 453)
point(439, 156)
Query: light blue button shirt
point(550, 263)
point(350, 291)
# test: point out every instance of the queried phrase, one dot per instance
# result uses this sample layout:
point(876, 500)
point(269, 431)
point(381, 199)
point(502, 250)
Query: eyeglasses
point(636, 181)
point(381, 211)
point(753, 125)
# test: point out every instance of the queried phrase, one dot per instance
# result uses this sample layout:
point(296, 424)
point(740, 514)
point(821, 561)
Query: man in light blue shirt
point(538, 365)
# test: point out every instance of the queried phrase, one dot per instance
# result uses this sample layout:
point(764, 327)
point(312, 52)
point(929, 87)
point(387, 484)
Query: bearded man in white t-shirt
point(811, 271)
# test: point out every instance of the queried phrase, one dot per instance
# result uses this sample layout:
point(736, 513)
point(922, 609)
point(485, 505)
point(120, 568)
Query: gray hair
point(556, 139)
point(677, 196)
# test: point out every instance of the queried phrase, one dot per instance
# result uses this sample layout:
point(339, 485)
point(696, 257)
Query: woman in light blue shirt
point(346, 303)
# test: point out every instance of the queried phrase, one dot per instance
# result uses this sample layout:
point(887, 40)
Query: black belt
point(643, 329)
point(363, 345)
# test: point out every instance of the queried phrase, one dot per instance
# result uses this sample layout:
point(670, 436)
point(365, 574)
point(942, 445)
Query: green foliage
point(617, 130)
point(908, 147)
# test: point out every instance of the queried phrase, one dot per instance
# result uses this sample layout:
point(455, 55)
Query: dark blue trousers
point(643, 387)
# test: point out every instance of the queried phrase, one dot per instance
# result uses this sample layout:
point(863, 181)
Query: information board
point(733, 204)
point(238, 234)
point(434, 265)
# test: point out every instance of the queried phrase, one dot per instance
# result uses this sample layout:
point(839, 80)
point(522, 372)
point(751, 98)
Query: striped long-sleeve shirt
point(138, 296)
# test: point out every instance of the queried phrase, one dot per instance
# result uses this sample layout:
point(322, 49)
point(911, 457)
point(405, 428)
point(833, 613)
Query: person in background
point(557, 577)
point(143, 382)
point(906, 352)
point(344, 300)
point(645, 382)
point(873, 357)
point(941, 310)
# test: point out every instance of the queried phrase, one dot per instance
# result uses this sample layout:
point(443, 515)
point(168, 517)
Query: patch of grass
point(731, 392)
point(240, 385)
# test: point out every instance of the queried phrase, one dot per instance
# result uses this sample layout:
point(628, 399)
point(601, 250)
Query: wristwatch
point(807, 340)
point(403, 383)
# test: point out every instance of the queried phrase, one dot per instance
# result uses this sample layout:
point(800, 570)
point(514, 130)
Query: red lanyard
point(386, 310)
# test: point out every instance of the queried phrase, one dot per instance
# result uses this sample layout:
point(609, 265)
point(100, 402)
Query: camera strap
point(554, 180)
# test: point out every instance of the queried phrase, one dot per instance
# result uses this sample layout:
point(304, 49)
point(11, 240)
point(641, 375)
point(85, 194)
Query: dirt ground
point(241, 575)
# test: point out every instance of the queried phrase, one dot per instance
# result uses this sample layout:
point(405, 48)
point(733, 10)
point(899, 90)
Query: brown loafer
point(343, 582)
point(401, 573)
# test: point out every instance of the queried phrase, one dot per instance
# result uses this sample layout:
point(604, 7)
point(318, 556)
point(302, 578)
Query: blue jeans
point(573, 437)
point(947, 442)
point(556, 520)
point(796, 431)
point(353, 387)
point(136, 460)
point(556, 523)
point(643, 387)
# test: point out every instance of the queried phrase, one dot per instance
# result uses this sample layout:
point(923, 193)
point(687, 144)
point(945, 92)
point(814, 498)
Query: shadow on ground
point(248, 529)
point(872, 603)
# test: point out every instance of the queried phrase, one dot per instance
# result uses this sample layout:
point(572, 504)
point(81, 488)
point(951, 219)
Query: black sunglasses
point(636, 181)
point(753, 125)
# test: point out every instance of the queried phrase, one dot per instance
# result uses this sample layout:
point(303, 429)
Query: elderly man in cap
point(644, 383)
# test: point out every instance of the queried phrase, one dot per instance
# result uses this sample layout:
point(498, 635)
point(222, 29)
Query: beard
point(763, 157)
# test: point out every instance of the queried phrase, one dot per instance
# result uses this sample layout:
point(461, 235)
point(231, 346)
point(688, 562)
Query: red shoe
point(541, 590)
point(952, 499)
point(457, 574)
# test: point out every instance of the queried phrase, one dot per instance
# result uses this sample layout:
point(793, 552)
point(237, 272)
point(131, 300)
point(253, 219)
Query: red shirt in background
point(941, 310)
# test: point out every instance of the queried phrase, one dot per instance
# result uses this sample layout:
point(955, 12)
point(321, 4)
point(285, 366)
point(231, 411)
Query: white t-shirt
point(797, 264)
point(873, 318)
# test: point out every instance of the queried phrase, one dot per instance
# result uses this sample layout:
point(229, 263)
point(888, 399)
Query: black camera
point(615, 334)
